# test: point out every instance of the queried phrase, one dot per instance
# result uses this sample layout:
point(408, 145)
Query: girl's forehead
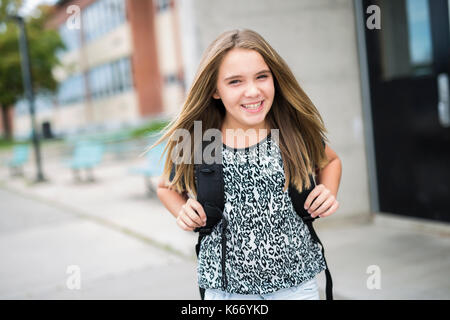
point(241, 62)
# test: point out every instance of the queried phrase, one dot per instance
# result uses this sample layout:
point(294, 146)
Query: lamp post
point(28, 86)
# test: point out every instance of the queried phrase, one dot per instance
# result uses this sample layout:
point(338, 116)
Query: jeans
point(308, 290)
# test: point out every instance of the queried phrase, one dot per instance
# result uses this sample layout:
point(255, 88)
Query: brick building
point(122, 66)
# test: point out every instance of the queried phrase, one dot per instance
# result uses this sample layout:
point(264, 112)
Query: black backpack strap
point(298, 200)
point(329, 281)
point(197, 251)
point(211, 195)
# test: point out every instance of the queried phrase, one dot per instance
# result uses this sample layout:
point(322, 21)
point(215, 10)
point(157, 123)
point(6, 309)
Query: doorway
point(408, 74)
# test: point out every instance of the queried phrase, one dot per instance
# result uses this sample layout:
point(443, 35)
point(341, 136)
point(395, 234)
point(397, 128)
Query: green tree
point(43, 45)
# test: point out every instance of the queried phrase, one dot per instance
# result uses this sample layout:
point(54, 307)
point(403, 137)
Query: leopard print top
point(268, 247)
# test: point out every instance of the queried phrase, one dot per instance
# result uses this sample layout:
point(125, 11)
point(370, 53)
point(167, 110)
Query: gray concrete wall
point(317, 38)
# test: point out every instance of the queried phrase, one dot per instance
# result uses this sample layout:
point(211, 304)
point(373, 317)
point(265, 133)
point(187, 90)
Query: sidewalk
point(413, 263)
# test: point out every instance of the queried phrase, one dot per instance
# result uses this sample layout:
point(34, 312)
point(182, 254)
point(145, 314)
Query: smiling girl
point(261, 248)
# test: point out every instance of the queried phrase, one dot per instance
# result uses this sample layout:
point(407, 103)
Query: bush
point(150, 128)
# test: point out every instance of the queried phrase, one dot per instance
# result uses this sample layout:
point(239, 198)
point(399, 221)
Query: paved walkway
point(132, 248)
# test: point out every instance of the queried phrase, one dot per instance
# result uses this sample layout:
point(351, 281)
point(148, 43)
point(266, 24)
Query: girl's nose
point(252, 90)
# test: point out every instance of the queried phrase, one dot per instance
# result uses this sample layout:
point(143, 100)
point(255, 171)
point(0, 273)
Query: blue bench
point(19, 158)
point(86, 156)
point(153, 167)
point(123, 149)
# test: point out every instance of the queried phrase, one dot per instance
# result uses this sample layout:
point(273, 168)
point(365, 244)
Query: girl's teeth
point(252, 106)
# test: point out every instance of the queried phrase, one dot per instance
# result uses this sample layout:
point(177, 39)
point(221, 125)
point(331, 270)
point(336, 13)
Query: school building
point(122, 67)
point(377, 70)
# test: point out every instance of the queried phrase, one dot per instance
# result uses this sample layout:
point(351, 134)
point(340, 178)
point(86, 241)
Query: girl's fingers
point(316, 197)
point(183, 225)
point(198, 208)
point(193, 216)
point(323, 207)
point(188, 221)
point(330, 211)
point(320, 192)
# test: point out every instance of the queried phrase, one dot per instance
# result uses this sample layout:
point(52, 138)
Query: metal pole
point(28, 86)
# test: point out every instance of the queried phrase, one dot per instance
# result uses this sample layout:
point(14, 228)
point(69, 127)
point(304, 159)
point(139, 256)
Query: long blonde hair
point(302, 130)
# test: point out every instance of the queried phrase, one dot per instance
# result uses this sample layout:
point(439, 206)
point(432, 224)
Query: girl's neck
point(226, 124)
point(238, 136)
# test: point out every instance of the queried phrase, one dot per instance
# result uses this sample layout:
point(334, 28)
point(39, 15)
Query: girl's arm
point(321, 201)
point(330, 175)
point(188, 212)
point(172, 200)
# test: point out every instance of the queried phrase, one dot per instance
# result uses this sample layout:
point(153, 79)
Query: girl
point(243, 86)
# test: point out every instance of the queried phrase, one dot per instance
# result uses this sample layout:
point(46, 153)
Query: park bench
point(19, 158)
point(86, 155)
point(153, 168)
point(121, 144)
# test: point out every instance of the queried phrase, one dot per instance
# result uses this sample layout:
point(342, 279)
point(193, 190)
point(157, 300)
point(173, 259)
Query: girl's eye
point(259, 77)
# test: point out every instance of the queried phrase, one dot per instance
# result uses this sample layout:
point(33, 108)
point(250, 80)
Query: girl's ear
point(216, 95)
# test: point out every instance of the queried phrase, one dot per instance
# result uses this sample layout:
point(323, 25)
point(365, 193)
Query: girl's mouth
point(253, 108)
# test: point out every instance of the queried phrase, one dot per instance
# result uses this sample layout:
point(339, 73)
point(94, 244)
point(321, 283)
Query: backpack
point(211, 195)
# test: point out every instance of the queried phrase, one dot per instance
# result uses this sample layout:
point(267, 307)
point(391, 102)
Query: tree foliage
point(43, 45)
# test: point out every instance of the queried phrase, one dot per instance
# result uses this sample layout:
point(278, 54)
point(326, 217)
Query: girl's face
point(245, 85)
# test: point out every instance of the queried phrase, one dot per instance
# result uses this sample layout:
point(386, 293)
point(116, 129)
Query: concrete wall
point(116, 109)
point(170, 60)
point(317, 38)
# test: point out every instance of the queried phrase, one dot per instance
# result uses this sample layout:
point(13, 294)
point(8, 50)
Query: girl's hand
point(324, 203)
point(191, 215)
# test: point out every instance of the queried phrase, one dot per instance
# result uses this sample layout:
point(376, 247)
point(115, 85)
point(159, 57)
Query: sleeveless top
point(268, 247)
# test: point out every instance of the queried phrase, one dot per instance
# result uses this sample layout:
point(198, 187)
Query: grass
point(148, 129)
point(9, 144)
point(5, 144)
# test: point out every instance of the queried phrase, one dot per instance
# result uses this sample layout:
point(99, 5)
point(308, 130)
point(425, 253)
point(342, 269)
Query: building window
point(405, 39)
point(70, 38)
point(101, 17)
point(419, 35)
point(110, 78)
point(162, 5)
point(71, 90)
point(172, 79)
